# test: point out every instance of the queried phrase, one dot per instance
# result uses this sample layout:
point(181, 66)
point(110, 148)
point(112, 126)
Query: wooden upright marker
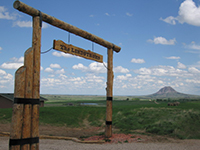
point(109, 89)
point(36, 44)
point(17, 114)
point(26, 130)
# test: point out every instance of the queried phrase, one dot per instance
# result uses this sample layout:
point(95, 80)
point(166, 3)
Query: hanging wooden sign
point(68, 48)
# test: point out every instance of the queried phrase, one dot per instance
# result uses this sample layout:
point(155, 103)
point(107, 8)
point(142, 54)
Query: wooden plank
point(110, 76)
point(36, 44)
point(65, 26)
point(28, 62)
point(17, 114)
point(70, 49)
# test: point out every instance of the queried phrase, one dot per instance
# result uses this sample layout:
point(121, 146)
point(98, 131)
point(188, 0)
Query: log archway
point(25, 117)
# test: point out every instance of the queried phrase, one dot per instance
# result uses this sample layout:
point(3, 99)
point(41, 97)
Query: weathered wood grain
point(36, 44)
point(18, 109)
point(110, 76)
point(26, 130)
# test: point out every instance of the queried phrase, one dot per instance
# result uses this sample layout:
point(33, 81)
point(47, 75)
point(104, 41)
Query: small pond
point(93, 104)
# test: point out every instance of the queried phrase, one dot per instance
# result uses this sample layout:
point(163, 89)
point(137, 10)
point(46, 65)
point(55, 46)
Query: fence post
point(109, 89)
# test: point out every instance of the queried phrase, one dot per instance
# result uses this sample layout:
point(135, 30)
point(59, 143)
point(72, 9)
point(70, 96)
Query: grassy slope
point(182, 121)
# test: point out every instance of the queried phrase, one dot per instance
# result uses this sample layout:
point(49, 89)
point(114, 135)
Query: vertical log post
point(36, 45)
point(17, 114)
point(108, 130)
point(28, 62)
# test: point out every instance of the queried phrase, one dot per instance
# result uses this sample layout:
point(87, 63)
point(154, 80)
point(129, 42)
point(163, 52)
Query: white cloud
point(162, 71)
point(143, 71)
point(192, 45)
point(160, 82)
point(62, 76)
point(107, 14)
point(181, 66)
point(62, 71)
point(91, 15)
point(1, 48)
point(193, 70)
point(23, 24)
point(170, 20)
point(48, 70)
point(11, 65)
point(2, 72)
point(162, 40)
point(14, 64)
point(96, 67)
point(6, 82)
point(80, 67)
point(193, 81)
point(173, 57)
point(139, 61)
point(28, 24)
point(6, 15)
point(8, 77)
point(55, 66)
point(122, 77)
point(120, 69)
point(75, 79)
point(81, 84)
point(50, 82)
point(18, 60)
point(188, 13)
point(129, 14)
point(94, 78)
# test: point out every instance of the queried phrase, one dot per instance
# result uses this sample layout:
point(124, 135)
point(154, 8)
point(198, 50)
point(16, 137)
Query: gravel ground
point(69, 145)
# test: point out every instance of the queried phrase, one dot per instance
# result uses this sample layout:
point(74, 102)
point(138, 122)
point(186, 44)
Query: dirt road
point(146, 142)
point(69, 145)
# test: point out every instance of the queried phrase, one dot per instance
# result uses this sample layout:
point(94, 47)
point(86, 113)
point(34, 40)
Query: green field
point(181, 121)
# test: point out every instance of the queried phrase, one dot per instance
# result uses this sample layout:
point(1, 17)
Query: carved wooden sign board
point(68, 48)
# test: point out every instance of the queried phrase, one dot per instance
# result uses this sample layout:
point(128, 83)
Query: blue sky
point(159, 39)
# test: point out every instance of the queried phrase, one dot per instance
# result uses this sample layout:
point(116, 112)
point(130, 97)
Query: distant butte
point(169, 92)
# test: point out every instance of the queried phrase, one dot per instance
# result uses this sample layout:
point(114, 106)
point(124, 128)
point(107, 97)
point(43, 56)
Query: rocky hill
point(169, 92)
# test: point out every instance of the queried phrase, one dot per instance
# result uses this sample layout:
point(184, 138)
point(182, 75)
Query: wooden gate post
point(109, 89)
point(25, 119)
point(36, 45)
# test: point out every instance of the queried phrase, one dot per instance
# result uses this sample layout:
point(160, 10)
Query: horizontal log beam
point(65, 26)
